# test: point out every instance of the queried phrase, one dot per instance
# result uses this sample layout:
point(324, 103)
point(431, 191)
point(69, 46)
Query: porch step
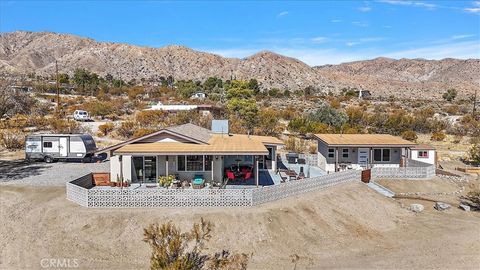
point(381, 189)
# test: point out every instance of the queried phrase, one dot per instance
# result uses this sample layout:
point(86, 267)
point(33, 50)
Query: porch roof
point(353, 140)
point(218, 144)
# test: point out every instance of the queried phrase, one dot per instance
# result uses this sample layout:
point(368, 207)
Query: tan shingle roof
point(218, 144)
point(363, 140)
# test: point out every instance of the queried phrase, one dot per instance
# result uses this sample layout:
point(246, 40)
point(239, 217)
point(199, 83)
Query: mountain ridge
point(23, 52)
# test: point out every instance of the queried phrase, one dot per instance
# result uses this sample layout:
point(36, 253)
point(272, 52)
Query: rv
point(53, 147)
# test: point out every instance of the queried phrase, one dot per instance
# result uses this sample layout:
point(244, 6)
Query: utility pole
point(58, 90)
point(474, 112)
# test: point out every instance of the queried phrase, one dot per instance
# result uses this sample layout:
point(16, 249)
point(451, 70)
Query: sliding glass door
point(144, 169)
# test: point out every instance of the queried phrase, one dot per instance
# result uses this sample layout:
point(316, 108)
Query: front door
point(63, 146)
point(363, 157)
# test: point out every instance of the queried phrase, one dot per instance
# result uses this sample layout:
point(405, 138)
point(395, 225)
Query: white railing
point(80, 191)
point(414, 170)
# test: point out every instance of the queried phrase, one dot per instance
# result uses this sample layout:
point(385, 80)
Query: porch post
point(256, 171)
point(336, 159)
point(370, 159)
point(211, 167)
point(166, 166)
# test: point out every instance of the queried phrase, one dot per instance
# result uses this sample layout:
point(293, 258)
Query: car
point(80, 115)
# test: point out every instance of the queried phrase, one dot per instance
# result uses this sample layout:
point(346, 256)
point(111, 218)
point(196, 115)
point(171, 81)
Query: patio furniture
point(230, 175)
point(198, 181)
point(248, 175)
point(301, 161)
point(292, 175)
point(292, 158)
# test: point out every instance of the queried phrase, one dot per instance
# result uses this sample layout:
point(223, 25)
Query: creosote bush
point(409, 135)
point(106, 128)
point(176, 250)
point(12, 139)
point(438, 136)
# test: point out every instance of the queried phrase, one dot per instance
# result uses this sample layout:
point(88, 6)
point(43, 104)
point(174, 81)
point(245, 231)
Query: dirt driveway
point(348, 226)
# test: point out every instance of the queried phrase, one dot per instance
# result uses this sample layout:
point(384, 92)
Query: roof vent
point(220, 126)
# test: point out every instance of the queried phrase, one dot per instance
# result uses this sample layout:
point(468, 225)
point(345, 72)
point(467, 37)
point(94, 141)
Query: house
point(187, 151)
point(199, 95)
point(337, 152)
point(424, 153)
point(363, 93)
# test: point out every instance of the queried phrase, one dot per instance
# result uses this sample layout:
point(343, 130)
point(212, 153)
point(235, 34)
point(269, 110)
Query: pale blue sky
point(327, 32)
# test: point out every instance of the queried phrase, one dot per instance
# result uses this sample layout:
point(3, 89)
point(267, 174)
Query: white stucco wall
point(114, 168)
point(429, 160)
point(127, 167)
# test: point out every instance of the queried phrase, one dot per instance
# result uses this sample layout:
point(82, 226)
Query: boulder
point(464, 207)
point(440, 206)
point(416, 207)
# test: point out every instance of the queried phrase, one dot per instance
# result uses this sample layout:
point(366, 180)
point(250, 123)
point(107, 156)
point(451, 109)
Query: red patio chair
point(230, 175)
point(248, 175)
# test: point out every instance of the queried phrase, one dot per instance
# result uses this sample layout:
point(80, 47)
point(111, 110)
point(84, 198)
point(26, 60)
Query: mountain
point(25, 52)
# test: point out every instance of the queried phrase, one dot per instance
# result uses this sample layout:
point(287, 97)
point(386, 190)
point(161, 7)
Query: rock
point(416, 207)
point(440, 206)
point(464, 207)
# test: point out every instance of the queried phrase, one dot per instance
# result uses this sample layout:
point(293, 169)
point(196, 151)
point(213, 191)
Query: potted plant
point(165, 181)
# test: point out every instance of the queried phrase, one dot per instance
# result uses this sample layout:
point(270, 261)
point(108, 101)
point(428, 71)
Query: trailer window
point(47, 145)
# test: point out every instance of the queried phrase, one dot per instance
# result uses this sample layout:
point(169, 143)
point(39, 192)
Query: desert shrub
point(438, 136)
point(65, 126)
point(154, 119)
point(142, 132)
point(106, 128)
point(99, 108)
point(409, 135)
point(474, 153)
point(457, 139)
point(173, 249)
point(472, 199)
point(12, 139)
point(312, 149)
point(126, 129)
point(450, 95)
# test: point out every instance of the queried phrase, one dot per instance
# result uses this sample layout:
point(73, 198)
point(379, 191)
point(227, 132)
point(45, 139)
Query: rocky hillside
point(26, 52)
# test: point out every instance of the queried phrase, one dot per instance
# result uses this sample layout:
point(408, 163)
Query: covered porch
point(202, 169)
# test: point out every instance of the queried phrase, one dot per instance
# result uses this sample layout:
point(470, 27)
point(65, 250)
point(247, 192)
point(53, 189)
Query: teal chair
point(198, 181)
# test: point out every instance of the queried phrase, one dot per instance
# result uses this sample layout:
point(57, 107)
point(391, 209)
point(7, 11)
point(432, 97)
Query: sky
point(316, 32)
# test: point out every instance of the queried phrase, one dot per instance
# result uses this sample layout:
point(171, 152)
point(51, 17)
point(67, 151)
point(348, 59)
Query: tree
point(186, 88)
point(253, 85)
point(81, 78)
point(268, 122)
point(327, 115)
point(63, 78)
point(173, 249)
point(211, 83)
point(450, 95)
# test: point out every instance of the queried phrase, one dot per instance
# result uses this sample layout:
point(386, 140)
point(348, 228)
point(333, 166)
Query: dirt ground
point(348, 226)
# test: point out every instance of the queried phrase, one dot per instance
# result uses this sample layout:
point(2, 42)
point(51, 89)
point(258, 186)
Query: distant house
point(199, 95)
point(424, 153)
point(337, 152)
point(363, 93)
point(202, 108)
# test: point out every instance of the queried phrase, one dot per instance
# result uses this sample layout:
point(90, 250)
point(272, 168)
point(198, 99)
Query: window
point(47, 145)
point(345, 153)
point(181, 163)
point(331, 153)
point(381, 155)
point(422, 154)
point(208, 163)
point(195, 163)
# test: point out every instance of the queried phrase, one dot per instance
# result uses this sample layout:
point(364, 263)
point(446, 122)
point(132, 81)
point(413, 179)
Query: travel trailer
point(53, 147)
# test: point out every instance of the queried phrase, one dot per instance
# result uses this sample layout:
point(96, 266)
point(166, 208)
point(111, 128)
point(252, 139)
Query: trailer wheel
point(48, 159)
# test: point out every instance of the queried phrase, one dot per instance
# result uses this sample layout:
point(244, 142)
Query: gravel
point(46, 174)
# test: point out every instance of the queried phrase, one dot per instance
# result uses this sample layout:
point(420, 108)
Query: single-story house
point(187, 151)
point(337, 152)
point(424, 153)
